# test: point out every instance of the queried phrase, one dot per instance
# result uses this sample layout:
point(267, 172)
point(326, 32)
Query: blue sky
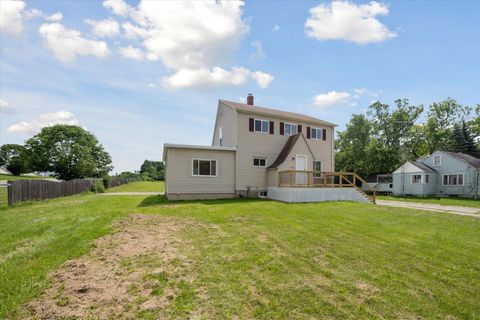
point(137, 90)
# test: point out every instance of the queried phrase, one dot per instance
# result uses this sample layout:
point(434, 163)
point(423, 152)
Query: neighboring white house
point(252, 149)
point(4, 170)
point(440, 174)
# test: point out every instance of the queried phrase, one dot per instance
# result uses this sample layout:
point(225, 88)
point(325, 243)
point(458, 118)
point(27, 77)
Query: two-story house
point(251, 146)
point(440, 174)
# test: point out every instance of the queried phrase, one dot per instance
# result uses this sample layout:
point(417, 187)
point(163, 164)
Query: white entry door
point(301, 165)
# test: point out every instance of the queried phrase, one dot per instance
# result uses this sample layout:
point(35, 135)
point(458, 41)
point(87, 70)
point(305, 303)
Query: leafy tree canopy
point(15, 157)
point(70, 152)
point(152, 170)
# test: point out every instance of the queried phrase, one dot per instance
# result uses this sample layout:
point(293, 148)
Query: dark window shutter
point(299, 128)
point(251, 124)
point(308, 132)
point(324, 134)
point(282, 128)
point(271, 127)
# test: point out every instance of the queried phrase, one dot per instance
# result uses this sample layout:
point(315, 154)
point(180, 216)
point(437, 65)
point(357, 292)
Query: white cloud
point(119, 7)
point(259, 52)
point(276, 28)
point(331, 98)
point(194, 39)
point(132, 31)
point(263, 79)
point(33, 13)
point(104, 28)
point(343, 20)
point(132, 53)
point(33, 126)
point(57, 16)
point(11, 16)
point(66, 44)
point(5, 108)
point(209, 78)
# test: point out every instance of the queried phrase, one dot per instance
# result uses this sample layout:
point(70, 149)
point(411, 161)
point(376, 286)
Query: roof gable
point(465, 158)
point(287, 149)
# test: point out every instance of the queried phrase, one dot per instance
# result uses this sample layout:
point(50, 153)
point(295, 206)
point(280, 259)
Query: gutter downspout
point(477, 184)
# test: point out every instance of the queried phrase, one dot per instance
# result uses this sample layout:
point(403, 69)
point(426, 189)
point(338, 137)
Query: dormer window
point(437, 161)
point(290, 129)
point(262, 126)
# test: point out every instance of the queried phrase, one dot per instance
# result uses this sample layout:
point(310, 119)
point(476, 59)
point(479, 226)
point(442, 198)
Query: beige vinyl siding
point(227, 120)
point(252, 144)
point(179, 172)
point(272, 178)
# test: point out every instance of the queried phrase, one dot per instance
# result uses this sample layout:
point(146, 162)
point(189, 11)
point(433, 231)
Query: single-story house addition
point(258, 152)
point(440, 174)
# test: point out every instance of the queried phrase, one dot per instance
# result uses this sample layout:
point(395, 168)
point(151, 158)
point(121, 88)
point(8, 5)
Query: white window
point(262, 126)
point(317, 168)
point(290, 129)
point(204, 167)
point(453, 179)
point(220, 135)
point(437, 160)
point(260, 162)
point(316, 133)
point(416, 178)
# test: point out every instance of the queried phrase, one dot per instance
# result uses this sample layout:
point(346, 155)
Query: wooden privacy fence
point(26, 190)
point(115, 182)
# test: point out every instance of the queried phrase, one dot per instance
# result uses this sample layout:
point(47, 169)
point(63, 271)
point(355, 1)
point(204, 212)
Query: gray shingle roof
point(246, 108)
point(474, 162)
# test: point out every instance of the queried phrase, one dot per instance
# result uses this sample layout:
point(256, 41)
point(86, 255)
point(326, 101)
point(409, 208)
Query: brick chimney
point(250, 99)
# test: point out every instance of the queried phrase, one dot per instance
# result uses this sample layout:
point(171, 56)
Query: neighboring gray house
point(258, 152)
point(440, 174)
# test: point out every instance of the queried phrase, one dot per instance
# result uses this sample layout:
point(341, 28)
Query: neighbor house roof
point(249, 109)
point(285, 151)
point(474, 162)
point(424, 167)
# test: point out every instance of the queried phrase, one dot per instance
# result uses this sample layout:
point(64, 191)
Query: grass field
point(443, 201)
point(14, 178)
point(140, 186)
point(249, 258)
point(3, 197)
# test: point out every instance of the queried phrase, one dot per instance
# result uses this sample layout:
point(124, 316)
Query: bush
point(97, 187)
point(106, 181)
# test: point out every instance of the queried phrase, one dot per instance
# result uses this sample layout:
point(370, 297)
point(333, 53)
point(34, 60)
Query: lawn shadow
point(161, 200)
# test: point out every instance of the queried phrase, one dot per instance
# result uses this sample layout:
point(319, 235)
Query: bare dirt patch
point(135, 271)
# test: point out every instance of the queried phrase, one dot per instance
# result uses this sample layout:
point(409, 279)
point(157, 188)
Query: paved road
point(132, 193)
point(459, 210)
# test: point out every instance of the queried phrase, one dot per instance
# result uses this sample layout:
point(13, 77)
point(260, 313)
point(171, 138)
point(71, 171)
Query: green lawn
point(14, 178)
point(140, 186)
point(3, 197)
point(442, 201)
point(264, 259)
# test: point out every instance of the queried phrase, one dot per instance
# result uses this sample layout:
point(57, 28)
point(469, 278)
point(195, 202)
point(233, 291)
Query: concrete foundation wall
point(199, 196)
point(316, 194)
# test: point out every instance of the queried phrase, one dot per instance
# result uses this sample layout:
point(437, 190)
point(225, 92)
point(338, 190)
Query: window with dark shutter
point(299, 128)
point(251, 124)
point(308, 132)
point(282, 128)
point(324, 134)
point(271, 127)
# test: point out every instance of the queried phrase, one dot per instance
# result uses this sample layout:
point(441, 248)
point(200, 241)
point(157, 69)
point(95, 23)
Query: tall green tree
point(471, 147)
point(441, 119)
point(152, 170)
point(15, 157)
point(459, 143)
point(70, 152)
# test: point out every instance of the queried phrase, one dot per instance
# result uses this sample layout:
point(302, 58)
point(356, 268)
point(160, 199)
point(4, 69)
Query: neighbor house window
point(316, 133)
point(317, 168)
point(262, 126)
point(416, 178)
point(453, 179)
point(437, 160)
point(290, 129)
point(201, 167)
point(427, 178)
point(260, 162)
point(220, 135)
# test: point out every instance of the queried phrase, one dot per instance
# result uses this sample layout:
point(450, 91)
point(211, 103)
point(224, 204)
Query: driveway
point(458, 210)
